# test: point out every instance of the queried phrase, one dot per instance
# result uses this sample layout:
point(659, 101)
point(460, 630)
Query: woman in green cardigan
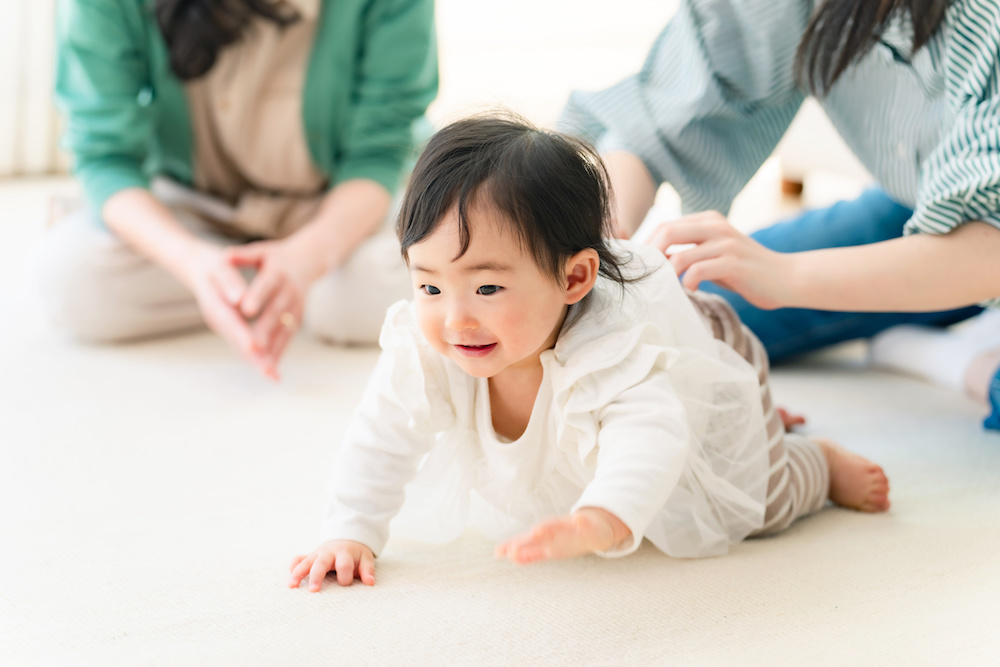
point(239, 158)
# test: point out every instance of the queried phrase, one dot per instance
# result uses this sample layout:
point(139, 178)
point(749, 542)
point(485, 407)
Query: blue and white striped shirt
point(717, 92)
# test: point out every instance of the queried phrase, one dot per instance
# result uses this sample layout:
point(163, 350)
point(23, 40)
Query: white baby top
point(641, 412)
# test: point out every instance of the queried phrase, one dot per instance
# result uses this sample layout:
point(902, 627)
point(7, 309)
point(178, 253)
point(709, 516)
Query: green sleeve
point(396, 80)
point(102, 88)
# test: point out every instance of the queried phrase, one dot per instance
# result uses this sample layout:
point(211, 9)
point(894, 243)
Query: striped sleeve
point(713, 98)
point(960, 182)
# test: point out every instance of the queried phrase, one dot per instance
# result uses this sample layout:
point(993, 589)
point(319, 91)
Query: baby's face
point(490, 310)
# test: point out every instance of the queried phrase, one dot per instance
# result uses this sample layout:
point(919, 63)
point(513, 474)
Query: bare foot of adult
point(855, 482)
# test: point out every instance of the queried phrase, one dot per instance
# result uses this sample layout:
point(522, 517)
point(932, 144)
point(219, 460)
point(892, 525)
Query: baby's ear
point(581, 274)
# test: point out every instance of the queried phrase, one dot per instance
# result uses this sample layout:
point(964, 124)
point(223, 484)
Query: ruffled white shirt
point(641, 412)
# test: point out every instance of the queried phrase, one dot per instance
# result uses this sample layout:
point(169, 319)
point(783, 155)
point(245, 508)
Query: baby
point(558, 390)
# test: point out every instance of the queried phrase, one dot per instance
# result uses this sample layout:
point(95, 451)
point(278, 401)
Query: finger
point(683, 260)
point(295, 562)
point(501, 550)
point(234, 330)
point(299, 570)
point(366, 568)
point(345, 568)
point(230, 284)
point(534, 545)
point(322, 565)
point(656, 239)
point(554, 529)
point(261, 290)
point(278, 347)
point(230, 325)
point(715, 270)
point(269, 324)
point(692, 221)
point(518, 541)
point(532, 554)
point(686, 231)
point(251, 254)
point(226, 321)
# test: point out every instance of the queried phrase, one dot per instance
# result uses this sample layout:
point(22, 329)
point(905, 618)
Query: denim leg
point(786, 332)
point(993, 420)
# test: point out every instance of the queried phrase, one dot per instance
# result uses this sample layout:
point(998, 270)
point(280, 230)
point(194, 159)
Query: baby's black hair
point(552, 188)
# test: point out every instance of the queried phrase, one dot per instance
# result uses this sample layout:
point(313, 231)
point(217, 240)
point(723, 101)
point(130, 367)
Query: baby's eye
point(486, 290)
point(430, 289)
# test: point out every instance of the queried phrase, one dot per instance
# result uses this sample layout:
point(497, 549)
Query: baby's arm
point(350, 560)
point(587, 530)
point(378, 456)
point(642, 446)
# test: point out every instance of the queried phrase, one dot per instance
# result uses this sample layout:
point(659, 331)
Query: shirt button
point(901, 150)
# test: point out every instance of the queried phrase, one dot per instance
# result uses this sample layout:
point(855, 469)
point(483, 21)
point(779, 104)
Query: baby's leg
point(807, 471)
point(803, 472)
point(855, 482)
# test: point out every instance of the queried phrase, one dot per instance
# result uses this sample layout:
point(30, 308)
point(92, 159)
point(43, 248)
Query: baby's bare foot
point(855, 482)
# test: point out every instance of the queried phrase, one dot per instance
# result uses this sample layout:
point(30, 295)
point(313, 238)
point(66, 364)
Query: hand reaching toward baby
point(349, 559)
point(586, 531)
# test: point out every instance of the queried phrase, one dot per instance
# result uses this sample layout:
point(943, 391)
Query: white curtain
point(28, 121)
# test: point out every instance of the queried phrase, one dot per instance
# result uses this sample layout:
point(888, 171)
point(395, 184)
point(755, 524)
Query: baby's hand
point(586, 531)
point(349, 559)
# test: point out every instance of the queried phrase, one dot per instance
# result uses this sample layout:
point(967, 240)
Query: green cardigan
point(372, 73)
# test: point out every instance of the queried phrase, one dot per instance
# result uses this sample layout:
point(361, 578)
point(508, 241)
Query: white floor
point(151, 496)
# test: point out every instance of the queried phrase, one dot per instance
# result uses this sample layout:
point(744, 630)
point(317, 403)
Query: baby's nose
point(461, 320)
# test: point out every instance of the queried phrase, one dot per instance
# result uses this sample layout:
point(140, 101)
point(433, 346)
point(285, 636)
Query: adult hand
point(349, 559)
point(727, 257)
point(219, 288)
point(586, 531)
point(275, 300)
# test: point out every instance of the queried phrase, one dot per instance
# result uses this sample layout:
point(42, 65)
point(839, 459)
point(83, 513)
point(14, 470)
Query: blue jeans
point(787, 332)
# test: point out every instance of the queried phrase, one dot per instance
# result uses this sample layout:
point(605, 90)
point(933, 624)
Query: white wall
point(524, 54)
point(28, 123)
point(529, 54)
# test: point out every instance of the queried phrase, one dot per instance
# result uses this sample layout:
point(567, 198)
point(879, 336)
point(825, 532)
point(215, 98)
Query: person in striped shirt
point(910, 86)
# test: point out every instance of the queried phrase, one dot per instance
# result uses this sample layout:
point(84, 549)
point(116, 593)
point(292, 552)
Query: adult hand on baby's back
point(349, 559)
point(586, 531)
point(275, 300)
point(727, 257)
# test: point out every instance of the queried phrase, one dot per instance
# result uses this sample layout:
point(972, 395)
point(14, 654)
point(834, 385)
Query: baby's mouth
point(476, 350)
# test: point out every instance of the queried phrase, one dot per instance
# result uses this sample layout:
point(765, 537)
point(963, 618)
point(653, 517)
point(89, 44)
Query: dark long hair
point(841, 32)
point(552, 189)
point(197, 30)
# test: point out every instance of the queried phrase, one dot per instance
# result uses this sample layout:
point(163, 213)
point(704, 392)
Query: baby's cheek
point(428, 326)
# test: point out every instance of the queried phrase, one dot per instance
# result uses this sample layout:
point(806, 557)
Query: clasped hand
point(258, 319)
point(727, 257)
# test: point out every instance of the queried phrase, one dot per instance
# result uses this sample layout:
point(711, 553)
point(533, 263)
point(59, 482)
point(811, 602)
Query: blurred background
point(524, 54)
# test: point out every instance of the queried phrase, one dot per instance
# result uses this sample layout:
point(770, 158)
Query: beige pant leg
point(348, 305)
point(799, 480)
point(96, 287)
